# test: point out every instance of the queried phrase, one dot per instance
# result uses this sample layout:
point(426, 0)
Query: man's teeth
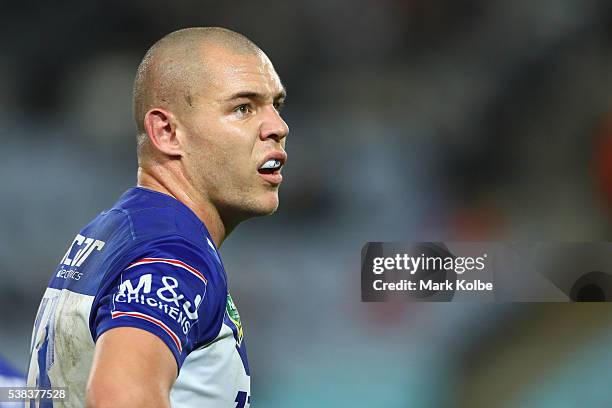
point(271, 164)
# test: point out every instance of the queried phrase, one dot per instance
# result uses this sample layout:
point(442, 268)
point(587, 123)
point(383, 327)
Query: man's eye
point(243, 109)
point(279, 106)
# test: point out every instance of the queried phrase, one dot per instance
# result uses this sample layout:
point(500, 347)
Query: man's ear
point(160, 126)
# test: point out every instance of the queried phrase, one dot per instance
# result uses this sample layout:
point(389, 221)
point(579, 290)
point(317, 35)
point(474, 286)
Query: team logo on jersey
point(160, 292)
point(72, 261)
point(234, 316)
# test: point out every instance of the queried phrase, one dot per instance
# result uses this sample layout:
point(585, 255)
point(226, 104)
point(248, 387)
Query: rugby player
point(138, 313)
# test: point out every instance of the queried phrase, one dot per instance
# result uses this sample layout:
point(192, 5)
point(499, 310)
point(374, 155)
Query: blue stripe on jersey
point(43, 381)
point(240, 343)
point(41, 309)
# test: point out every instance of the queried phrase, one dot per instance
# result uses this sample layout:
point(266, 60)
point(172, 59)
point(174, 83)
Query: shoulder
point(141, 224)
point(162, 242)
point(171, 287)
point(152, 214)
point(177, 252)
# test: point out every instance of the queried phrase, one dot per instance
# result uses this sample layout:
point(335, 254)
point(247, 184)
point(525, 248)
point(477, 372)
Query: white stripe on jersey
point(174, 262)
point(153, 320)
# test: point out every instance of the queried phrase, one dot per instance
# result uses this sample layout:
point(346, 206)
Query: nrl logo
point(234, 316)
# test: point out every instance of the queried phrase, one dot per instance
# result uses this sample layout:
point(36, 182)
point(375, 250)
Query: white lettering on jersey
point(90, 244)
point(192, 314)
point(144, 283)
point(169, 288)
point(167, 295)
point(84, 253)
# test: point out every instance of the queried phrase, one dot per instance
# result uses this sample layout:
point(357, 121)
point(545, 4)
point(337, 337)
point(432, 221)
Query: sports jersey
point(148, 262)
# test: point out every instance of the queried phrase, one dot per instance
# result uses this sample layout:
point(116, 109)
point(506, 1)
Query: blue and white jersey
point(149, 263)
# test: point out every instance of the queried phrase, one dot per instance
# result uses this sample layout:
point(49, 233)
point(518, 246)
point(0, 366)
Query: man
point(138, 313)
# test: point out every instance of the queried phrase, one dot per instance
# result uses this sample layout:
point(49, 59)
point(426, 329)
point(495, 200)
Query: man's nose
point(273, 126)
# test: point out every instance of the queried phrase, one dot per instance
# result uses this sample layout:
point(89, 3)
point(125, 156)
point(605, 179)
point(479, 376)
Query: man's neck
point(161, 181)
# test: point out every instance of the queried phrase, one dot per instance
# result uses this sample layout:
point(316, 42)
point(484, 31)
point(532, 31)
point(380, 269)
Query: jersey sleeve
point(170, 288)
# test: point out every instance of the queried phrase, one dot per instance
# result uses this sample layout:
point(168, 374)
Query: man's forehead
point(230, 73)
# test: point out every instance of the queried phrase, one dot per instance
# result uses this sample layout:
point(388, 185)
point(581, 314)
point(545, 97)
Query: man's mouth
point(270, 166)
point(270, 170)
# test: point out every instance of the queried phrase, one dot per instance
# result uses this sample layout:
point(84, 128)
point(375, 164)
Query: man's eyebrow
point(258, 96)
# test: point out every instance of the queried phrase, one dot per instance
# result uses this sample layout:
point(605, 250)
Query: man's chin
point(268, 208)
point(266, 205)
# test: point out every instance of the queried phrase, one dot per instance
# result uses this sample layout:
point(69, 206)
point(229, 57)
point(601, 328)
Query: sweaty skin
point(206, 103)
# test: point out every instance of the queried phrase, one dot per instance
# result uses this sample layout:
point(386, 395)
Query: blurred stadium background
point(410, 120)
